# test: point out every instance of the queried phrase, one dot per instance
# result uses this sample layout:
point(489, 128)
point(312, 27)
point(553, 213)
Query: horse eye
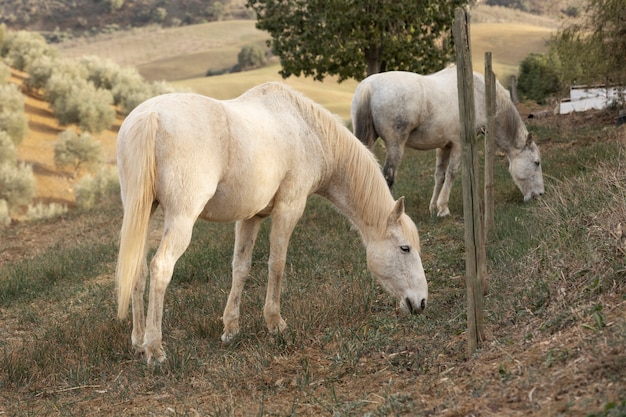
point(537, 163)
point(405, 248)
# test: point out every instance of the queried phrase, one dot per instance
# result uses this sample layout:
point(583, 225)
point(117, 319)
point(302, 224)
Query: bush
point(250, 57)
point(8, 151)
point(76, 151)
point(44, 67)
point(22, 48)
point(13, 119)
point(45, 211)
point(17, 184)
point(75, 100)
point(90, 191)
point(5, 73)
point(102, 73)
point(538, 79)
point(5, 216)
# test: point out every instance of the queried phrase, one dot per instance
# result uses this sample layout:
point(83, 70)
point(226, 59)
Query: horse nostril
point(413, 309)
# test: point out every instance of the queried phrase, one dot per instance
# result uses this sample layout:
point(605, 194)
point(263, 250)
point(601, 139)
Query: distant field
point(172, 53)
point(183, 55)
point(509, 43)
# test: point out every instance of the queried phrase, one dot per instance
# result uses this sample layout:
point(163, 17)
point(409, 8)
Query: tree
point(75, 151)
point(250, 57)
point(17, 184)
point(538, 79)
point(356, 38)
point(13, 118)
point(594, 49)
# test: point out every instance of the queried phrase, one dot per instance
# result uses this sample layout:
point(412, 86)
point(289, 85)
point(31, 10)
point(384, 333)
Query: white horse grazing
point(421, 112)
point(242, 160)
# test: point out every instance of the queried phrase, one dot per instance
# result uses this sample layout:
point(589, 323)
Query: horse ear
point(397, 212)
point(529, 139)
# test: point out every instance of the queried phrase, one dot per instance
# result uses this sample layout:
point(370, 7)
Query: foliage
point(21, 48)
point(74, 151)
point(45, 211)
point(94, 190)
point(44, 67)
point(538, 79)
point(250, 57)
point(5, 216)
point(8, 151)
point(89, 17)
point(353, 39)
point(17, 184)
point(5, 73)
point(75, 100)
point(13, 119)
point(594, 50)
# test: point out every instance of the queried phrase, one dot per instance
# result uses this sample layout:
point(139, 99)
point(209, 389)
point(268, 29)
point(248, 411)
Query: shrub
point(5, 73)
point(74, 151)
point(75, 100)
point(45, 211)
point(13, 119)
point(538, 79)
point(91, 190)
point(250, 56)
point(102, 73)
point(8, 151)
point(44, 67)
point(5, 216)
point(17, 184)
point(22, 48)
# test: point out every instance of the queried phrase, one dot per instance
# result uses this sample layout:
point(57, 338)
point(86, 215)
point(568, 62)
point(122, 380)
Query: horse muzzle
point(412, 307)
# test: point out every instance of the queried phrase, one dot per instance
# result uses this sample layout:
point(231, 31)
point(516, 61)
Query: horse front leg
point(284, 220)
point(246, 232)
point(175, 240)
point(451, 172)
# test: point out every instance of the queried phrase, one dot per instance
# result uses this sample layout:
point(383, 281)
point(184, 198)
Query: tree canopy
point(594, 48)
point(356, 38)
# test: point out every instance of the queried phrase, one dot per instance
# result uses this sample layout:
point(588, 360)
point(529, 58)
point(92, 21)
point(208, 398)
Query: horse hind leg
point(395, 150)
point(246, 232)
point(139, 314)
point(176, 238)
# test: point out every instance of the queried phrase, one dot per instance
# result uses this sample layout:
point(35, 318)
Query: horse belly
point(230, 204)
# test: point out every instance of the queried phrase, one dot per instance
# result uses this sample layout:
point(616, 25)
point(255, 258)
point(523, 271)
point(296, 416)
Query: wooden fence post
point(490, 146)
point(474, 240)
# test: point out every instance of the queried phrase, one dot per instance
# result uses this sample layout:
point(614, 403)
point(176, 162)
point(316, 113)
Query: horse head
point(525, 168)
point(394, 258)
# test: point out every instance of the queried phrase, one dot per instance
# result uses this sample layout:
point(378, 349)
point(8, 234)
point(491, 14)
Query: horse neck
point(510, 131)
point(357, 188)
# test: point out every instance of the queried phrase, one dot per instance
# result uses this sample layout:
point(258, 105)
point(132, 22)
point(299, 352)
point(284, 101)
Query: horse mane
point(347, 158)
point(509, 120)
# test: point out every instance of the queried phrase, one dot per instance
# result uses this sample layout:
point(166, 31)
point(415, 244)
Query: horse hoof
point(228, 337)
point(277, 328)
point(443, 213)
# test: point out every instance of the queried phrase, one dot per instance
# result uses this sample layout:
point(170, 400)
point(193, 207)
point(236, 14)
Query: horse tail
point(137, 169)
point(362, 120)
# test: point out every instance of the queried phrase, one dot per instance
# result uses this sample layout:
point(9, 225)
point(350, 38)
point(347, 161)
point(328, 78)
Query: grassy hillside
point(554, 318)
point(173, 53)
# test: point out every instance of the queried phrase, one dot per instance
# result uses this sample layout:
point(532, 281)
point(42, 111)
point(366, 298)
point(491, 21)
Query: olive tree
point(355, 38)
point(75, 151)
